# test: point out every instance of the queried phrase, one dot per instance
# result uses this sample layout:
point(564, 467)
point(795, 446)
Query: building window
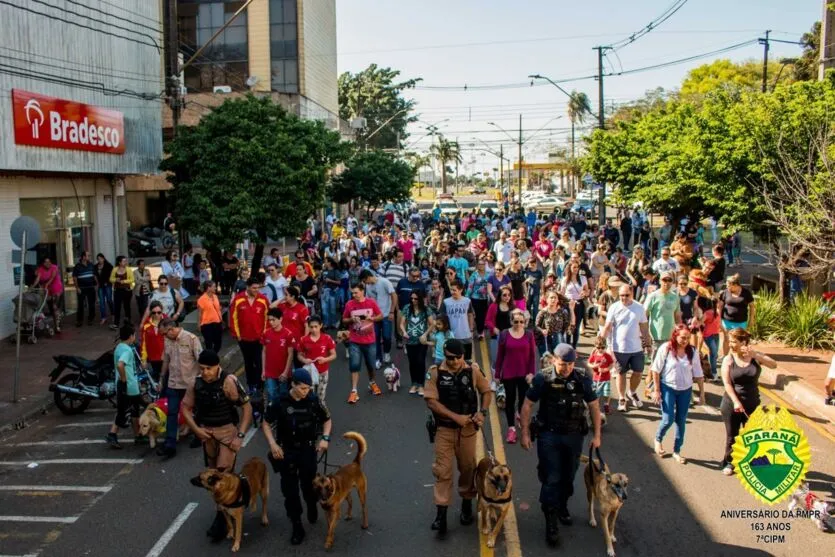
point(225, 60)
point(284, 51)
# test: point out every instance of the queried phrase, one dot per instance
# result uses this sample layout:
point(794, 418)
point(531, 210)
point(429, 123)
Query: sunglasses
point(156, 313)
point(452, 357)
point(163, 284)
point(519, 321)
point(666, 280)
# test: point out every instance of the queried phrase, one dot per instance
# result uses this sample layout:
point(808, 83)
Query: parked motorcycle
point(76, 382)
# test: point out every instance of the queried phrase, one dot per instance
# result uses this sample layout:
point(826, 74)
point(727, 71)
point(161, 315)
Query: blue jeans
point(549, 342)
point(559, 457)
point(329, 301)
point(674, 407)
point(533, 305)
point(175, 398)
point(382, 333)
point(713, 352)
point(271, 390)
point(359, 352)
point(105, 300)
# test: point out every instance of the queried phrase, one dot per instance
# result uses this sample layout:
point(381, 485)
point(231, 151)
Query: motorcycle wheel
point(70, 404)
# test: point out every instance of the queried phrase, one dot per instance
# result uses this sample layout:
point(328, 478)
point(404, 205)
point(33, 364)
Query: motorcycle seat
point(82, 362)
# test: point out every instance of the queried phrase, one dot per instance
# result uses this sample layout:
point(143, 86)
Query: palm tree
point(418, 161)
point(578, 107)
point(446, 152)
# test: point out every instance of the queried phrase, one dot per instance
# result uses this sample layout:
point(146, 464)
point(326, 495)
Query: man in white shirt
point(274, 284)
point(351, 223)
point(627, 330)
point(503, 248)
point(666, 263)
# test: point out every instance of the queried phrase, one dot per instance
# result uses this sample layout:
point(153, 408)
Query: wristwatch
point(326, 438)
point(241, 435)
point(484, 412)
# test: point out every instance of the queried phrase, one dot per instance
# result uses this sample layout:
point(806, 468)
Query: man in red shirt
point(247, 321)
point(277, 359)
point(360, 315)
point(290, 270)
point(319, 350)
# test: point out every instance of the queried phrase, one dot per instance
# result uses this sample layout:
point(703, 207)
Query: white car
point(448, 206)
point(545, 204)
point(489, 204)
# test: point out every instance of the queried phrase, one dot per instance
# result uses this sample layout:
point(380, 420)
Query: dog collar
point(497, 501)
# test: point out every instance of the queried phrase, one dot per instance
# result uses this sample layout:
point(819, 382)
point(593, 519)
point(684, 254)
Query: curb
point(795, 390)
point(47, 402)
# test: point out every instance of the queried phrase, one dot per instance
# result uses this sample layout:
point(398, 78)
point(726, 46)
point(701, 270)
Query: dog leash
point(487, 449)
point(594, 467)
point(324, 461)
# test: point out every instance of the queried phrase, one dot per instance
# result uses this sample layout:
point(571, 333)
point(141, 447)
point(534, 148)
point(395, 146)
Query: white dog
point(392, 375)
point(818, 509)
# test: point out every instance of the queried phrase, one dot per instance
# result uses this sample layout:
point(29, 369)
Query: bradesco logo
point(42, 121)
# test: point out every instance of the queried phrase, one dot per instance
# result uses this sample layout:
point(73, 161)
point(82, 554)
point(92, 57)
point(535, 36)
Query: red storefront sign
point(42, 121)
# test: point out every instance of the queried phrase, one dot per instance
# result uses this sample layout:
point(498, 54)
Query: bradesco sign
point(42, 121)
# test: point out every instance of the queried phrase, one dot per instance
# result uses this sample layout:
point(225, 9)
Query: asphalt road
point(57, 505)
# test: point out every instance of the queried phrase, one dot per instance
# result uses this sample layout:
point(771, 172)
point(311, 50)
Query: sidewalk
point(36, 362)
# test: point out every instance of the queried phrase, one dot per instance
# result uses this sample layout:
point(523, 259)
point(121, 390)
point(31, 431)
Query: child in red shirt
point(600, 363)
point(319, 350)
point(277, 356)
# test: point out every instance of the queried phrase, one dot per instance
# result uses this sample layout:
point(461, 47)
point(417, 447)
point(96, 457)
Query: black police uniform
point(296, 425)
point(561, 425)
point(213, 410)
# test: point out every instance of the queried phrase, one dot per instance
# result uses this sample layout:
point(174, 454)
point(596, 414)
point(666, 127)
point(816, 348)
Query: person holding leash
point(560, 427)
point(210, 409)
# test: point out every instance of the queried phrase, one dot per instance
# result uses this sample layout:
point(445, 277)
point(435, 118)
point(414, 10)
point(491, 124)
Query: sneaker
point(413, 390)
point(622, 405)
point(112, 441)
point(113, 327)
point(728, 470)
point(353, 398)
point(511, 436)
point(386, 358)
point(678, 458)
point(374, 389)
point(636, 402)
point(378, 364)
point(420, 391)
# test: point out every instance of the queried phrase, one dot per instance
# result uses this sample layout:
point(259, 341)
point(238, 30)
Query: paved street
point(64, 493)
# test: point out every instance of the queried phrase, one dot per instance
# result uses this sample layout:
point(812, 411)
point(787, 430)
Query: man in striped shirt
point(84, 277)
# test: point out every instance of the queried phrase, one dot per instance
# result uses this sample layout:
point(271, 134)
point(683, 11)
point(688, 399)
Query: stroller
point(34, 320)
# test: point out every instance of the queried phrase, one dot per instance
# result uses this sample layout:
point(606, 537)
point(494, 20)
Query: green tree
point(376, 94)
point(418, 162)
point(723, 73)
point(806, 68)
point(373, 178)
point(250, 169)
point(445, 152)
point(578, 107)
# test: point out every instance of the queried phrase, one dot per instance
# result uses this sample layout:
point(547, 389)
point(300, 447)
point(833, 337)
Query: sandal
point(680, 459)
point(659, 450)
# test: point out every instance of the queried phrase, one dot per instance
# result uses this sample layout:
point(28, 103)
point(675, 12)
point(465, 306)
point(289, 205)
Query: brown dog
point(495, 496)
point(335, 488)
point(609, 490)
point(152, 424)
point(233, 492)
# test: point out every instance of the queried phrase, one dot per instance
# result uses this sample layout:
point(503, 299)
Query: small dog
point(819, 511)
point(343, 336)
point(392, 375)
point(152, 422)
point(335, 488)
point(495, 496)
point(234, 492)
point(610, 491)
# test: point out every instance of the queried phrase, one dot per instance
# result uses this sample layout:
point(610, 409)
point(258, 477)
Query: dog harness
point(162, 417)
point(246, 494)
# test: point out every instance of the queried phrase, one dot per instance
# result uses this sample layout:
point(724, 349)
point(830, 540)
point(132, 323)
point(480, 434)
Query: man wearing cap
point(606, 299)
point(210, 409)
point(452, 395)
point(291, 427)
point(663, 309)
point(561, 424)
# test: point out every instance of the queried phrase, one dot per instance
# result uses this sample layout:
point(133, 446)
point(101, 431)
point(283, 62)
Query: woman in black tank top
point(740, 373)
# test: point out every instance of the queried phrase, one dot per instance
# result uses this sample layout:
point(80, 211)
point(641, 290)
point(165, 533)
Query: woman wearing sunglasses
point(498, 317)
point(151, 340)
point(515, 368)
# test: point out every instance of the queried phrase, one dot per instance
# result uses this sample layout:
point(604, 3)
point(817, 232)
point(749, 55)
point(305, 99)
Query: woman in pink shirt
point(515, 367)
point(48, 277)
point(407, 245)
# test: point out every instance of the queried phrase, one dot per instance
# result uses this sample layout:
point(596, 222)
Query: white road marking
point(55, 519)
point(72, 461)
point(169, 534)
point(86, 424)
point(249, 435)
point(68, 442)
point(97, 411)
point(27, 555)
point(81, 488)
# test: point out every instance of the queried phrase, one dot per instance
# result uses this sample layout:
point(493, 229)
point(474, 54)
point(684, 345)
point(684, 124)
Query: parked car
point(478, 190)
point(447, 204)
point(548, 203)
point(489, 204)
point(586, 205)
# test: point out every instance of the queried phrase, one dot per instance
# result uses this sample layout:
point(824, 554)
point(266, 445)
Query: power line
point(108, 14)
point(79, 70)
point(81, 84)
point(113, 71)
point(131, 12)
point(667, 14)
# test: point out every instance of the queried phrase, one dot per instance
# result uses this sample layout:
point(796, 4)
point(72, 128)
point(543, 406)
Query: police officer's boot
point(466, 517)
point(217, 531)
point(552, 530)
point(312, 511)
point(298, 533)
point(439, 524)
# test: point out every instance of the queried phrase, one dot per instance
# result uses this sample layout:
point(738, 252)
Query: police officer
point(452, 394)
point(214, 399)
point(562, 393)
point(291, 426)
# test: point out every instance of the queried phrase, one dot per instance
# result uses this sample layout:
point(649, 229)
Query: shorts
point(127, 406)
point(603, 389)
point(730, 325)
point(633, 361)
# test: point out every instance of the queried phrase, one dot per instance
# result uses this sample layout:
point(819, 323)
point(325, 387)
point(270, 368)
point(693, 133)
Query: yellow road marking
point(510, 529)
point(811, 423)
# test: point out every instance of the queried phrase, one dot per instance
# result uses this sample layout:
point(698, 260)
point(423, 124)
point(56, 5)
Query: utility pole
point(601, 122)
point(765, 44)
point(827, 53)
point(520, 160)
point(173, 55)
point(501, 169)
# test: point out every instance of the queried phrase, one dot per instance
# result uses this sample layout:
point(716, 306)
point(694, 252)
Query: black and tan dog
point(494, 482)
point(234, 492)
point(335, 488)
point(609, 490)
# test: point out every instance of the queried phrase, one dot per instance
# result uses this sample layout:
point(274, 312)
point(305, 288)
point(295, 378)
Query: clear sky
point(453, 43)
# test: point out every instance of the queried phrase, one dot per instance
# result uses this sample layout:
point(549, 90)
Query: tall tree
point(578, 106)
point(806, 68)
point(376, 94)
point(250, 169)
point(373, 178)
point(446, 151)
point(723, 73)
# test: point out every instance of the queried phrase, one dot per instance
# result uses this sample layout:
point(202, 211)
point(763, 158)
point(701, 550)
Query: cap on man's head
point(208, 358)
point(614, 282)
point(301, 375)
point(667, 275)
point(565, 352)
point(454, 347)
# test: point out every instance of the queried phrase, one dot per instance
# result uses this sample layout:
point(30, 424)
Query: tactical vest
point(562, 408)
point(296, 424)
point(211, 406)
point(457, 393)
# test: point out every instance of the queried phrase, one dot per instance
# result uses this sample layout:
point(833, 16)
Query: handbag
point(314, 373)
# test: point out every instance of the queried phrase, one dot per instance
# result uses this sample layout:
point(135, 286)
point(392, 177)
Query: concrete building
point(80, 110)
